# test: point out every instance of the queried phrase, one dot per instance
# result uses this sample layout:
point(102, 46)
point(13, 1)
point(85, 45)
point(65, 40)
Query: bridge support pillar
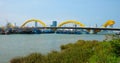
point(91, 31)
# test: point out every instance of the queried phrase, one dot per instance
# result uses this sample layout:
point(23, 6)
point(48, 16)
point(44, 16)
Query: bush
point(116, 46)
point(16, 60)
point(79, 52)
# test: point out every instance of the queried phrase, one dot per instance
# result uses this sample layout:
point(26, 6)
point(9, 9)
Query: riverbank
point(79, 52)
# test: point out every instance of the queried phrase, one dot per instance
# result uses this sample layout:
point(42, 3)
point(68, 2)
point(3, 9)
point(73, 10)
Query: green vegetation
point(79, 52)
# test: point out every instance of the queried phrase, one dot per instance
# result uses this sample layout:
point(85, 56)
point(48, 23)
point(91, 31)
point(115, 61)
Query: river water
point(21, 45)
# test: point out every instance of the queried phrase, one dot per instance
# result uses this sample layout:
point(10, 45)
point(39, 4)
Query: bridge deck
point(89, 28)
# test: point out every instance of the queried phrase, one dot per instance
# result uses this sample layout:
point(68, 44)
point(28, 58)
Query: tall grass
point(79, 52)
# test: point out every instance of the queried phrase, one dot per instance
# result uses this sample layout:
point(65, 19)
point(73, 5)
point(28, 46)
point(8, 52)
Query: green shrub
point(116, 46)
point(79, 52)
point(15, 60)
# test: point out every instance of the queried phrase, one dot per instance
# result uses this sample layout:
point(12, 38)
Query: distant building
point(9, 25)
point(54, 24)
point(36, 25)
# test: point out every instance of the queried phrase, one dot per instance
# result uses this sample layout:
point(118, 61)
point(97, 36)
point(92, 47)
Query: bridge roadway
point(88, 28)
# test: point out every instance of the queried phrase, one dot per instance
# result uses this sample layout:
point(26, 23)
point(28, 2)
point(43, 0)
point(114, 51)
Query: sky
point(88, 12)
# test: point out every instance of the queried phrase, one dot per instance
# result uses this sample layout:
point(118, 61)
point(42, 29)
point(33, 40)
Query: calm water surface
point(21, 45)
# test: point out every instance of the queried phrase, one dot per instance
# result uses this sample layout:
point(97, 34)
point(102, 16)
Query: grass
point(79, 52)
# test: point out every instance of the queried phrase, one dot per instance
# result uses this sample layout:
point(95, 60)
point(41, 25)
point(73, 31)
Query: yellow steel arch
point(108, 23)
point(34, 20)
point(71, 21)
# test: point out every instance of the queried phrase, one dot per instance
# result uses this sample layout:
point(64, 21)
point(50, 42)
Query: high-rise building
point(36, 24)
point(54, 24)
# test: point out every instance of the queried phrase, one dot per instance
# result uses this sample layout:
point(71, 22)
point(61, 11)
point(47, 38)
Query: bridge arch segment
point(108, 23)
point(34, 20)
point(71, 21)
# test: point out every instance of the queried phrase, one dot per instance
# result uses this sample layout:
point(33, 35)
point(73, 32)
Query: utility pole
point(96, 26)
